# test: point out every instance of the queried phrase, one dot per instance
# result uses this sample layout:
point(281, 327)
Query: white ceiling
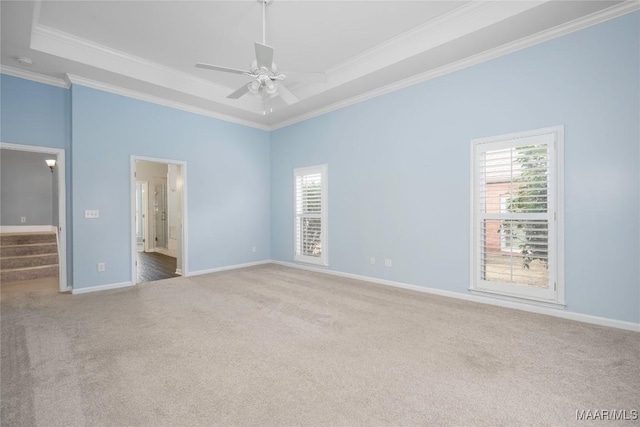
point(148, 49)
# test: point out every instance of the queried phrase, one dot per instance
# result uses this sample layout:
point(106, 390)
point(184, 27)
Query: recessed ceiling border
point(613, 12)
point(540, 37)
point(68, 46)
point(467, 18)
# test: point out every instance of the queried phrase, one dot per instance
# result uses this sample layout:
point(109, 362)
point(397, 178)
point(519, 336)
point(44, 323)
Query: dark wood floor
point(155, 266)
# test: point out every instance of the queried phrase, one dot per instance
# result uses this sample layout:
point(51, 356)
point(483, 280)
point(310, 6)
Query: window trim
point(557, 272)
point(323, 259)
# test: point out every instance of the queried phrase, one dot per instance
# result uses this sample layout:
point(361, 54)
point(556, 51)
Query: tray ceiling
point(148, 49)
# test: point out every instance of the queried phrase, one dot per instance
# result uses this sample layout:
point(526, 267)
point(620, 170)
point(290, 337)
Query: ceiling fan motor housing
point(263, 70)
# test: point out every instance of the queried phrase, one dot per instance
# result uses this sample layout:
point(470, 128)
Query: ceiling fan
point(267, 79)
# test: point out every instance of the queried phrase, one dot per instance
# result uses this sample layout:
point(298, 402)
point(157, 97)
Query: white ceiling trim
point(412, 36)
point(561, 30)
point(457, 23)
point(36, 77)
point(578, 24)
point(160, 101)
point(35, 17)
point(68, 46)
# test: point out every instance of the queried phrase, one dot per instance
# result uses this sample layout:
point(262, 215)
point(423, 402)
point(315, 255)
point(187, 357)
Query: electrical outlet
point(23, 219)
point(373, 260)
point(253, 249)
point(101, 267)
point(387, 263)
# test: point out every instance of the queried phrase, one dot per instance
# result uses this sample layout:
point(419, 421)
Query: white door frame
point(183, 247)
point(145, 212)
point(61, 231)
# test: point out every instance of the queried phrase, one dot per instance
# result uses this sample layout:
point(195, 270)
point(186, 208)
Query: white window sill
point(524, 300)
point(311, 264)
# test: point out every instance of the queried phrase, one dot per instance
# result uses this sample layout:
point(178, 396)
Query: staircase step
point(28, 261)
point(22, 250)
point(12, 239)
point(16, 274)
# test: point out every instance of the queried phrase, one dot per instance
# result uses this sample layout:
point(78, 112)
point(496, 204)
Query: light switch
point(92, 214)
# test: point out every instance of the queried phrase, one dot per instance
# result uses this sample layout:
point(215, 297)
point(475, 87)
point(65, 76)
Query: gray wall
point(27, 189)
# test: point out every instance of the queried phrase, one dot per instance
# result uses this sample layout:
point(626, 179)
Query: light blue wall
point(34, 113)
point(40, 115)
point(228, 173)
point(227, 183)
point(398, 167)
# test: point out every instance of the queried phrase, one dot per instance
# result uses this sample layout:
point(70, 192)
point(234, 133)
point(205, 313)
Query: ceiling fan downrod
point(264, 20)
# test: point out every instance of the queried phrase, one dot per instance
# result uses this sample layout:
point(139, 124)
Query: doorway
point(158, 226)
point(59, 208)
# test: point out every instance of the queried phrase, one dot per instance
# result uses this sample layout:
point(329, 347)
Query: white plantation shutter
point(310, 215)
point(514, 215)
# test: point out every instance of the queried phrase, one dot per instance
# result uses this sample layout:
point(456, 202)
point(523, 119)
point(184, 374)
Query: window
point(509, 237)
point(311, 215)
point(516, 215)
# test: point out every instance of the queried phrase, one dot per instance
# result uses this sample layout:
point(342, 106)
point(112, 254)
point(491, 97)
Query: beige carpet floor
point(276, 346)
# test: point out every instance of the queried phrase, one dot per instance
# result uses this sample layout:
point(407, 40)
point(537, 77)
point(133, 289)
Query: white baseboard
point(193, 273)
point(228, 267)
point(28, 229)
point(585, 318)
point(179, 271)
point(75, 291)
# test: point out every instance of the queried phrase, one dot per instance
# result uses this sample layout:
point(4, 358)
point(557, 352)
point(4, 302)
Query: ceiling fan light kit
point(264, 73)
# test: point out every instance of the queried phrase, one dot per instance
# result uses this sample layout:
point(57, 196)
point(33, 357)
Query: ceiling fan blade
point(306, 77)
point(286, 95)
point(238, 93)
point(218, 68)
point(264, 56)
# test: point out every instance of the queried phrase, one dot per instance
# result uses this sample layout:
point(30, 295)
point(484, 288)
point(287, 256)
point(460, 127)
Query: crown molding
point(615, 11)
point(467, 18)
point(35, 77)
point(73, 79)
point(414, 35)
point(35, 16)
point(44, 34)
point(541, 37)
point(459, 22)
point(77, 80)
